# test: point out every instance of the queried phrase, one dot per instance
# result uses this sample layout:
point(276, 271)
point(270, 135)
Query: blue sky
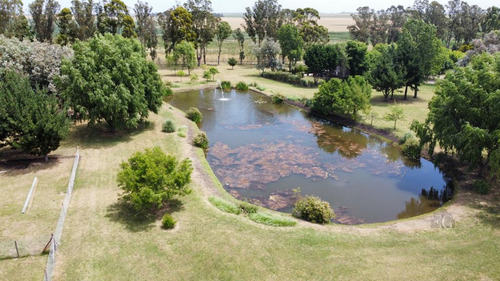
point(324, 6)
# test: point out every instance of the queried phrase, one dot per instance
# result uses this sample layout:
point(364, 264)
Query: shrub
point(412, 149)
point(253, 84)
point(168, 126)
point(313, 209)
point(241, 86)
point(168, 222)
point(201, 140)
point(182, 132)
point(149, 178)
point(278, 98)
point(193, 77)
point(260, 88)
point(225, 85)
point(224, 205)
point(232, 62)
point(481, 187)
point(248, 208)
point(272, 220)
point(194, 114)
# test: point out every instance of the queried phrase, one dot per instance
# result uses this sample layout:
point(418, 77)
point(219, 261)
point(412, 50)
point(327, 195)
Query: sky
point(323, 6)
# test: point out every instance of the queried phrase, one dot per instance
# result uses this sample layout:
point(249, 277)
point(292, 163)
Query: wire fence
point(56, 238)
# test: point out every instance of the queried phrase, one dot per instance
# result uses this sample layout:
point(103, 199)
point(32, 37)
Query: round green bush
point(201, 140)
point(313, 209)
point(278, 99)
point(168, 126)
point(241, 86)
point(226, 85)
point(168, 222)
point(412, 149)
point(481, 187)
point(194, 114)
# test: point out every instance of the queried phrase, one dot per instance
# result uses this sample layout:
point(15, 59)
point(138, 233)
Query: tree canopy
point(109, 79)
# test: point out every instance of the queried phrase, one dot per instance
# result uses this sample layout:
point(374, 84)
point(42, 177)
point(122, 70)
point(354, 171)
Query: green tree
point(128, 27)
point(310, 31)
point(83, 11)
point(43, 15)
point(291, 44)
point(491, 20)
point(113, 17)
point(184, 55)
point(109, 79)
point(315, 59)
point(395, 114)
point(240, 37)
point(360, 30)
point(151, 177)
point(30, 120)
point(263, 20)
point(68, 29)
point(386, 73)
point(464, 113)
point(346, 97)
point(146, 27)
point(232, 62)
point(222, 32)
point(13, 23)
point(267, 55)
point(357, 61)
point(204, 25)
point(213, 71)
point(177, 26)
point(418, 50)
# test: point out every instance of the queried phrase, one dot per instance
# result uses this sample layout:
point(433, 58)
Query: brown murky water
point(261, 152)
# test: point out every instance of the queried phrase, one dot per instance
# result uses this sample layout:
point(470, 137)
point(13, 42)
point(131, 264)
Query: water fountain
point(218, 85)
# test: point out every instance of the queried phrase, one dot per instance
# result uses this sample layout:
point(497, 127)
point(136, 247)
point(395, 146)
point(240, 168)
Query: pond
point(266, 154)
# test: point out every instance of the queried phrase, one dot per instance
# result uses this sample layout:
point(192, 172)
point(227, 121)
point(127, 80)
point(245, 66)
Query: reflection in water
point(261, 151)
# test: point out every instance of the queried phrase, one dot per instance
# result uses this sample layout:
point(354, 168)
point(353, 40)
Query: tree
point(151, 177)
point(263, 20)
point(109, 79)
point(397, 19)
point(346, 97)
point(464, 113)
point(291, 44)
point(184, 55)
point(240, 37)
point(213, 71)
point(419, 50)
point(113, 16)
point(177, 26)
point(67, 28)
point(267, 55)
point(204, 25)
point(128, 27)
point(146, 27)
point(491, 20)
point(395, 114)
point(83, 11)
point(12, 18)
point(222, 32)
point(357, 61)
point(385, 74)
point(232, 62)
point(41, 62)
point(310, 31)
point(315, 59)
point(360, 31)
point(43, 14)
point(30, 119)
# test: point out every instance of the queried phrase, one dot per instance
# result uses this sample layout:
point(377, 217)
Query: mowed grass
point(103, 240)
point(32, 230)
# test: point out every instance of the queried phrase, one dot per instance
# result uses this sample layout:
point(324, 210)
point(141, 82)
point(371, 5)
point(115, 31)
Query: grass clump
point(241, 86)
point(248, 208)
point(182, 132)
point(313, 209)
point(481, 187)
point(260, 88)
point(194, 114)
point(201, 140)
point(272, 220)
point(224, 205)
point(278, 98)
point(168, 222)
point(168, 126)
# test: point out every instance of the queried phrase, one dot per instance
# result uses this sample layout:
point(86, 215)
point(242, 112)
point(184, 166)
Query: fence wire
point(49, 269)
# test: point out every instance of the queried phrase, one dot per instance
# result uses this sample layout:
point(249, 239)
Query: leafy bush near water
point(277, 99)
point(272, 220)
point(201, 140)
point(313, 209)
point(241, 86)
point(248, 208)
point(225, 85)
point(224, 205)
point(412, 149)
point(194, 114)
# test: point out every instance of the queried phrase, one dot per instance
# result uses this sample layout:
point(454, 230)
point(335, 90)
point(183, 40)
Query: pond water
point(262, 152)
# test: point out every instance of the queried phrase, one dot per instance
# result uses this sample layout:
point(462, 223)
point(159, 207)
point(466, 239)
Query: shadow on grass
point(100, 137)
point(490, 215)
point(15, 162)
point(135, 221)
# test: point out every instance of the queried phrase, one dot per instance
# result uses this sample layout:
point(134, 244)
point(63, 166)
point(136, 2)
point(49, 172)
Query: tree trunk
point(218, 57)
point(204, 55)
point(416, 90)
point(395, 124)
point(46, 157)
point(406, 91)
point(198, 56)
point(392, 94)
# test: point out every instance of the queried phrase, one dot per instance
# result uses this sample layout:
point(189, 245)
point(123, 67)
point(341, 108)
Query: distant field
point(333, 22)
